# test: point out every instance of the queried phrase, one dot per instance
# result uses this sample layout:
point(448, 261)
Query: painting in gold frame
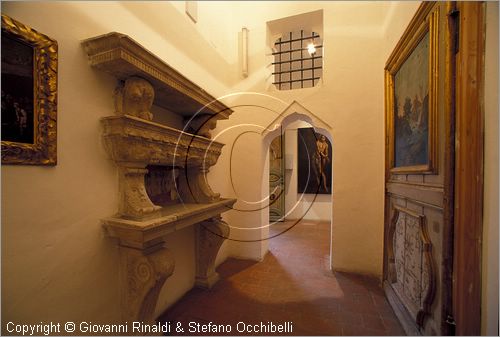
point(29, 95)
point(411, 99)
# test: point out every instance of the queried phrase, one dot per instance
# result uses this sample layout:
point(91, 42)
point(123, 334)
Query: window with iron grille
point(298, 60)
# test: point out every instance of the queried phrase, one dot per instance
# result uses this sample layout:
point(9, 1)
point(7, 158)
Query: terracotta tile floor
point(292, 284)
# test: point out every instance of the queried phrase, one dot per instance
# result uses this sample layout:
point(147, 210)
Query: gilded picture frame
point(411, 99)
point(29, 95)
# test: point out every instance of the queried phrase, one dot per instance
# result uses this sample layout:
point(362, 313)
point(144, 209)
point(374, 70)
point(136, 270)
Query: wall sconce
point(244, 52)
point(192, 10)
point(311, 49)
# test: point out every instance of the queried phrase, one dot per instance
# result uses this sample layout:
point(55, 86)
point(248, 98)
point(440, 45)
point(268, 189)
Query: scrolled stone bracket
point(202, 124)
point(144, 273)
point(134, 200)
point(194, 188)
point(210, 234)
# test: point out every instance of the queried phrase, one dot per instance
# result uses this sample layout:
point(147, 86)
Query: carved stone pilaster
point(210, 235)
point(134, 200)
point(143, 275)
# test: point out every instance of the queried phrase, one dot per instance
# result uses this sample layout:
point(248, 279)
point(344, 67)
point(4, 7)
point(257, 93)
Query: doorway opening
point(300, 161)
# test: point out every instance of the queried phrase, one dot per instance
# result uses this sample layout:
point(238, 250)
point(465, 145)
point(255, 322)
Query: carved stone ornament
point(201, 124)
point(411, 264)
point(135, 98)
point(162, 171)
point(210, 235)
point(134, 143)
point(146, 272)
point(134, 200)
point(121, 56)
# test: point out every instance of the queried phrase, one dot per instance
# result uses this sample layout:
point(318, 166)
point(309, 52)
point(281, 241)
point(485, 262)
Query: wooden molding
point(420, 193)
point(402, 314)
point(426, 293)
point(469, 169)
point(449, 171)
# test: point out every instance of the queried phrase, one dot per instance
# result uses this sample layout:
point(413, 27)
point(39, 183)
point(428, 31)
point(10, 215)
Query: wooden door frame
point(469, 164)
point(282, 195)
point(447, 322)
point(463, 178)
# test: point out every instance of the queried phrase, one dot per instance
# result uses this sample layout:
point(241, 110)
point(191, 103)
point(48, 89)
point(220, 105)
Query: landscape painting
point(314, 162)
point(411, 108)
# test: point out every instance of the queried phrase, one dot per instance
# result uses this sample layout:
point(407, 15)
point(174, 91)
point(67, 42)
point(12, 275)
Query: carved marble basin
point(161, 170)
point(139, 143)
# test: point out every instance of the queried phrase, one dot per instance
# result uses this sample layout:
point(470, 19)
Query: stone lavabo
point(162, 171)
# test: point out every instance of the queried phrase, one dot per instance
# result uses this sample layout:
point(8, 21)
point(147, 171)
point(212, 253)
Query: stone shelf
point(147, 233)
point(121, 56)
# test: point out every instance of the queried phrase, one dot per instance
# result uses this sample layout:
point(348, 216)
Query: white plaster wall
point(57, 264)
point(238, 174)
point(489, 306)
point(349, 98)
point(399, 16)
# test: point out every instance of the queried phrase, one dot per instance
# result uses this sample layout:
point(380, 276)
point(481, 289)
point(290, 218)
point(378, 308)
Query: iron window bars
point(293, 68)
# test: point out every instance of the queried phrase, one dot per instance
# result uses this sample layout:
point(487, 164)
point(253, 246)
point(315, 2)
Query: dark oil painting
point(314, 162)
point(17, 91)
point(411, 108)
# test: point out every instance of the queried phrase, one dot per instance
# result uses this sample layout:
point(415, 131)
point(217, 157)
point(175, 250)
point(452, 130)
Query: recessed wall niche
point(295, 50)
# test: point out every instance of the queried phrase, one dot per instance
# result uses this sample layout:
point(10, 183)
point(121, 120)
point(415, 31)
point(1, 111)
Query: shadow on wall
point(154, 16)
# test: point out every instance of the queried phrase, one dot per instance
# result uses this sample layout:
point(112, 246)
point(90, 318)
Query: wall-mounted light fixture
point(192, 10)
point(311, 49)
point(244, 51)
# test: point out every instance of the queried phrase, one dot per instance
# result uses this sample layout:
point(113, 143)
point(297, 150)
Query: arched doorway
point(299, 204)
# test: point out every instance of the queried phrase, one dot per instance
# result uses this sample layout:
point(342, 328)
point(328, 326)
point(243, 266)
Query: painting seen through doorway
point(314, 162)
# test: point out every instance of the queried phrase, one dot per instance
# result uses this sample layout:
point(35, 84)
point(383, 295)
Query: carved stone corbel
point(134, 97)
point(210, 235)
point(201, 125)
point(144, 273)
point(193, 186)
point(134, 200)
